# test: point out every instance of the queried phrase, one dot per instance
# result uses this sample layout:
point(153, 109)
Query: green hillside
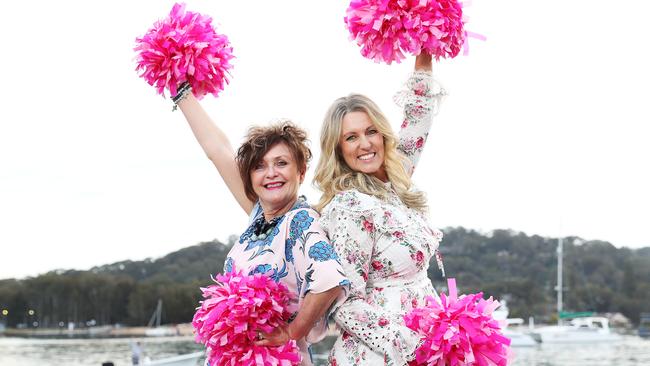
point(504, 264)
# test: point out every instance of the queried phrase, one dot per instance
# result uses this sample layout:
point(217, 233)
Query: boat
point(189, 359)
point(591, 329)
point(582, 328)
point(154, 328)
point(511, 327)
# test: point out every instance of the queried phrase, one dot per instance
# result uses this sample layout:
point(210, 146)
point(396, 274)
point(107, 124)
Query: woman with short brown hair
point(284, 239)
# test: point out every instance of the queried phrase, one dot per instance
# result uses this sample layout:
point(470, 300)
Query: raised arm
point(217, 147)
point(420, 101)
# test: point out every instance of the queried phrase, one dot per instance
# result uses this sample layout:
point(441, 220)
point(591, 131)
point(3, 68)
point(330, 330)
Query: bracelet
point(183, 90)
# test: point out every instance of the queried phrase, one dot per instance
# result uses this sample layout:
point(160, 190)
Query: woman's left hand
point(277, 337)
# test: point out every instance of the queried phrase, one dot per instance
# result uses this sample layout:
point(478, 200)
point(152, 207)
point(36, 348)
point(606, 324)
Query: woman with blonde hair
point(376, 219)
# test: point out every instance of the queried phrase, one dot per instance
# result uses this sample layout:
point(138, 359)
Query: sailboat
point(155, 330)
point(582, 329)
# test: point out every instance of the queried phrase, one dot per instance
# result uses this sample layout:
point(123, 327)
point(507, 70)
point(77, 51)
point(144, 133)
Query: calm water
point(92, 352)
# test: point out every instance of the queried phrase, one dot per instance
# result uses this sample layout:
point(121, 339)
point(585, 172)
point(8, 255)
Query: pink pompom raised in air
point(232, 313)
point(184, 47)
point(458, 330)
point(386, 29)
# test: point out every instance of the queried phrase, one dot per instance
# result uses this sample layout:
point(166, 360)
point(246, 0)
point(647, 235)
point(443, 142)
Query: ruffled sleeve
point(316, 263)
point(420, 98)
point(351, 229)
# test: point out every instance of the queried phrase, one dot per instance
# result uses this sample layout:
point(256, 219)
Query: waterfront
point(632, 351)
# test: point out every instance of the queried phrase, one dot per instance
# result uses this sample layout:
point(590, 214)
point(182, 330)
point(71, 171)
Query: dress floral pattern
point(385, 249)
point(297, 253)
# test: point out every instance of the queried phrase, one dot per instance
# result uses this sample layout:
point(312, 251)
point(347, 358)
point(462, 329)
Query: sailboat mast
point(559, 280)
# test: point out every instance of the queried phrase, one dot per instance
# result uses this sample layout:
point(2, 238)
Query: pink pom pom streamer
point(458, 331)
point(233, 311)
point(184, 47)
point(386, 29)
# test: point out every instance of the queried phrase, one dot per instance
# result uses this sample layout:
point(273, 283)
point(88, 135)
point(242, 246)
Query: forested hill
point(504, 264)
point(523, 270)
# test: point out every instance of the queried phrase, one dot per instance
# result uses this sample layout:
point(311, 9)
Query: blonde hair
point(333, 175)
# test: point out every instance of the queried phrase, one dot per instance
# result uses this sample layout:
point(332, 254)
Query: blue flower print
point(309, 278)
point(322, 251)
point(300, 222)
point(247, 234)
point(280, 273)
point(227, 267)
point(260, 268)
point(298, 282)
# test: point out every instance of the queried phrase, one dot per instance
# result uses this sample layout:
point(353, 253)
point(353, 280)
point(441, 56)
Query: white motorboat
point(592, 329)
point(190, 359)
point(517, 337)
point(510, 325)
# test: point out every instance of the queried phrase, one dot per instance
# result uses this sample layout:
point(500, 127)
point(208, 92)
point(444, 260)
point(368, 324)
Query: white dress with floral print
point(384, 248)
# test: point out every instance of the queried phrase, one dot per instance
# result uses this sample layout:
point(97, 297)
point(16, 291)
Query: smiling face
point(362, 145)
point(276, 179)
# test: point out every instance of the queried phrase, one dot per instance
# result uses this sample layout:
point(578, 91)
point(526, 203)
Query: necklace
point(263, 228)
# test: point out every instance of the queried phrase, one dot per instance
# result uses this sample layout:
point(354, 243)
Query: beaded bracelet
point(183, 90)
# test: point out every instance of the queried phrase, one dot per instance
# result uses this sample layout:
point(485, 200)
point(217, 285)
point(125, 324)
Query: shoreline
point(105, 331)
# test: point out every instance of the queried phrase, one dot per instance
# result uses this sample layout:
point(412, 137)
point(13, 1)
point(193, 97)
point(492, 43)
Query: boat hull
point(190, 359)
point(564, 335)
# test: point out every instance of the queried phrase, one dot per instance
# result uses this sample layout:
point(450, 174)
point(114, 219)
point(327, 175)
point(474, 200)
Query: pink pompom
point(232, 313)
point(184, 47)
point(458, 330)
point(386, 29)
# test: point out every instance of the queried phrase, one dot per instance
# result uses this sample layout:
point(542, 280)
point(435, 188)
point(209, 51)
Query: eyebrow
point(354, 131)
point(277, 157)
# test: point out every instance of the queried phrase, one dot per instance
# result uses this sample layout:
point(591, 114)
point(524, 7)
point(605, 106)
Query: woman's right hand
point(277, 337)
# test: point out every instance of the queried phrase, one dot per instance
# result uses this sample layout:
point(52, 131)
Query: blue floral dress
point(385, 248)
point(297, 253)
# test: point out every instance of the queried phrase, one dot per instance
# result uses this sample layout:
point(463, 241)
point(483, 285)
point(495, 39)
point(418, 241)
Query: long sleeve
point(352, 233)
point(421, 99)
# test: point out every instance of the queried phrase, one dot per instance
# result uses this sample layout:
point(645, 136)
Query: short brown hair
point(259, 140)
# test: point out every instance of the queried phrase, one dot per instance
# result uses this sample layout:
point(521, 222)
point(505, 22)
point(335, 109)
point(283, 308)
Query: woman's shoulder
point(351, 200)
point(301, 211)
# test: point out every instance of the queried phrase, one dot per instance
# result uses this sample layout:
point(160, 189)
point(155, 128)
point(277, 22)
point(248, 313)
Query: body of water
point(631, 351)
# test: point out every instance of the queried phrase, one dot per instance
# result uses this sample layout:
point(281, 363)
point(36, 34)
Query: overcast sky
point(545, 129)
